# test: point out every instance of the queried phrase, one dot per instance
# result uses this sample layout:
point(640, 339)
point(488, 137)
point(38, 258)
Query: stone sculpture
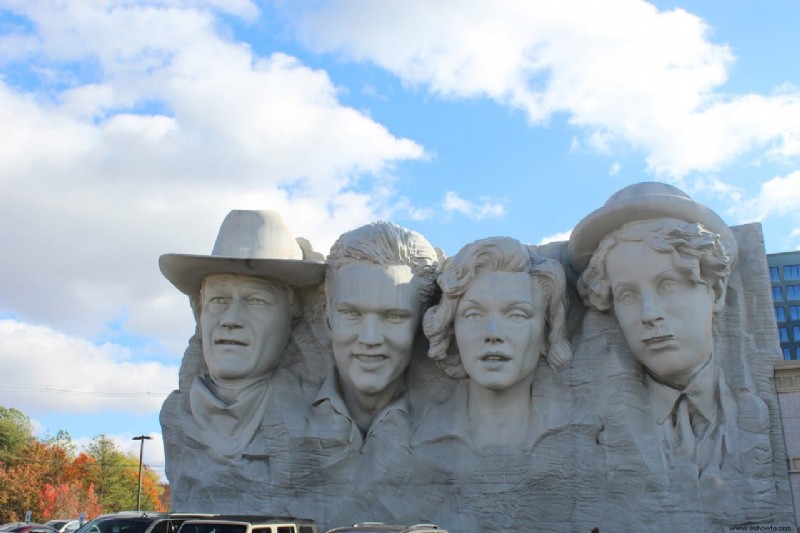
point(505, 307)
point(660, 263)
point(231, 419)
point(651, 407)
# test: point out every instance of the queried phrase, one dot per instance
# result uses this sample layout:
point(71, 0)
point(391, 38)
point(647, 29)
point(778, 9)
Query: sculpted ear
point(718, 290)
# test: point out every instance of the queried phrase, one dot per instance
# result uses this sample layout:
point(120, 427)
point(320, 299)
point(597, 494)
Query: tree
point(21, 483)
point(15, 433)
point(69, 499)
point(116, 478)
point(46, 477)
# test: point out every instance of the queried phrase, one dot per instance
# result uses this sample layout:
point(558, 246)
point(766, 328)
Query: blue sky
point(129, 129)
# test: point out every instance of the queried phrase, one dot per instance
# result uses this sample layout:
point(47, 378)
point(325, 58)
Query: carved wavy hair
point(496, 254)
point(384, 243)
point(696, 252)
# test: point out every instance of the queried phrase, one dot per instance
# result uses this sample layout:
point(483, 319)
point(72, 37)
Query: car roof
point(251, 519)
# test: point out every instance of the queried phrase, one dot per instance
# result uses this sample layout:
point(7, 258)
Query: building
point(784, 273)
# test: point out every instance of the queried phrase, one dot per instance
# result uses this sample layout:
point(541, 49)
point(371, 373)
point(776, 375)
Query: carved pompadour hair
point(387, 244)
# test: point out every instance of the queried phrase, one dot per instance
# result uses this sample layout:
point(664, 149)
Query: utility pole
point(141, 439)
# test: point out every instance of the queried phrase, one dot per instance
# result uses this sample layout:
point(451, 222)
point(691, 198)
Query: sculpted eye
point(668, 285)
point(219, 300)
point(625, 297)
point(472, 315)
point(518, 316)
point(257, 302)
point(350, 314)
point(394, 316)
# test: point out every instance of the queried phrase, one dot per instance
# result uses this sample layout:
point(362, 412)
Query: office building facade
point(784, 273)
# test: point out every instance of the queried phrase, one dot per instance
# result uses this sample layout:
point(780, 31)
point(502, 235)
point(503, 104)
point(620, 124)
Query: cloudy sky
point(130, 128)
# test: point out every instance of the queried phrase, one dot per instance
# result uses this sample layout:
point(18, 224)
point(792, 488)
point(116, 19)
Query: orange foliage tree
point(49, 479)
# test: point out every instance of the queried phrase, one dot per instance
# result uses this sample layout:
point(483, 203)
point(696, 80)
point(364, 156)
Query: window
point(777, 295)
point(793, 292)
point(790, 272)
point(773, 274)
point(796, 333)
point(787, 353)
point(794, 312)
point(783, 333)
point(780, 314)
point(161, 527)
point(796, 353)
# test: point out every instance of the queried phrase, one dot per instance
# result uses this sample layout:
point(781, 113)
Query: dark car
point(28, 527)
point(137, 522)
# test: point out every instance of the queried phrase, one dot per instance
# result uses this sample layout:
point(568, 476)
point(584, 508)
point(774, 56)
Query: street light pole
point(141, 439)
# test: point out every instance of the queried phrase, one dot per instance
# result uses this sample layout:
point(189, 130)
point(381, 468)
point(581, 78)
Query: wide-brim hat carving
point(643, 201)
point(250, 243)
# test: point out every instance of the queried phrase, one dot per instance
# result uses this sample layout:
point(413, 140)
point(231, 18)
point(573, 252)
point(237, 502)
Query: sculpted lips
point(657, 339)
point(370, 358)
point(495, 357)
point(230, 342)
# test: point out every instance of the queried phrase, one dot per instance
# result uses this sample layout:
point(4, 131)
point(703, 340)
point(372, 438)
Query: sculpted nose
point(651, 313)
point(232, 316)
point(493, 331)
point(370, 332)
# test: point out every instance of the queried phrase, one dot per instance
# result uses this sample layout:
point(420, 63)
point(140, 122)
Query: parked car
point(137, 522)
point(249, 524)
point(27, 527)
point(64, 525)
point(380, 527)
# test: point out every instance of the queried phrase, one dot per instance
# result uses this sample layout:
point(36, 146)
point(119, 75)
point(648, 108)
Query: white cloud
point(43, 369)
point(620, 70)
point(485, 208)
point(556, 237)
point(614, 170)
point(778, 196)
point(176, 125)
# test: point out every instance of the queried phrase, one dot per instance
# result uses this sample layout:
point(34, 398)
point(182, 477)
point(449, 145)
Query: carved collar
point(701, 391)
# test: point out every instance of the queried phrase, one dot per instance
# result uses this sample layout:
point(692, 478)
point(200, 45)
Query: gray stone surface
point(575, 446)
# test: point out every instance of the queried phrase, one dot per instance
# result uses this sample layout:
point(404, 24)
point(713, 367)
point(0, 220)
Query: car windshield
point(117, 525)
point(211, 527)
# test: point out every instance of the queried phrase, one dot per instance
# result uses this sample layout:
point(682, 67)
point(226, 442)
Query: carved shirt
point(331, 421)
point(691, 420)
point(210, 472)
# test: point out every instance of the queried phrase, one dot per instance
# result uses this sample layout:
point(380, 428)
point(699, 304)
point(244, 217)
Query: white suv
point(249, 524)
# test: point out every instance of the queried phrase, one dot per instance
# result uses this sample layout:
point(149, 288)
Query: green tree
point(115, 477)
point(15, 434)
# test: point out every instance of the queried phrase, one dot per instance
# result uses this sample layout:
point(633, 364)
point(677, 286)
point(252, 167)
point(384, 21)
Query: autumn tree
point(116, 478)
point(47, 478)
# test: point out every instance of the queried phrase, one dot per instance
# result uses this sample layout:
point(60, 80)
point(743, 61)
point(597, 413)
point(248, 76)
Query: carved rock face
point(665, 317)
point(375, 315)
point(246, 323)
point(500, 328)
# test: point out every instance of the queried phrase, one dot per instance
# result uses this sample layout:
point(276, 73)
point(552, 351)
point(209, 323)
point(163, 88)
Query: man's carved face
point(246, 323)
point(374, 315)
point(665, 317)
